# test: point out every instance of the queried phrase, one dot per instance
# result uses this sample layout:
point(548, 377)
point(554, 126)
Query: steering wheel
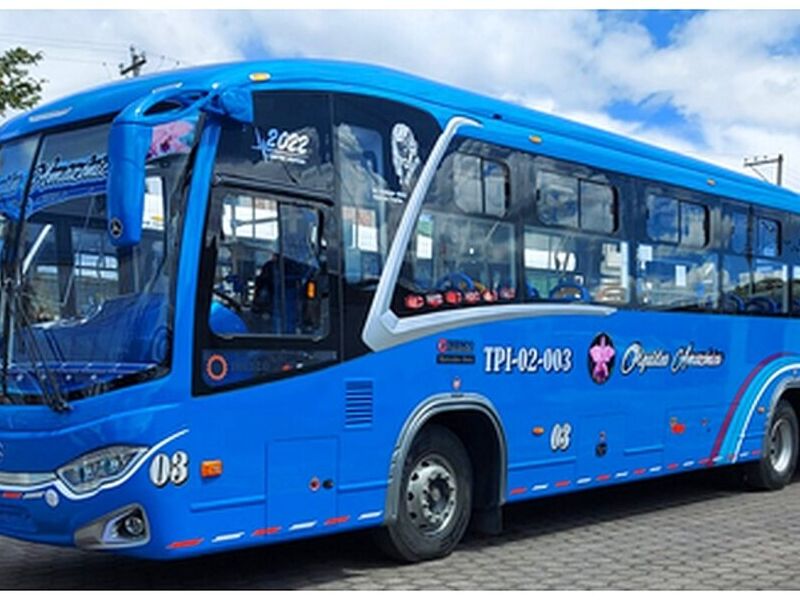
point(228, 300)
point(459, 281)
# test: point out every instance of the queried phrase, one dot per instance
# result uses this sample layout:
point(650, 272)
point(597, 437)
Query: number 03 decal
point(165, 468)
point(561, 437)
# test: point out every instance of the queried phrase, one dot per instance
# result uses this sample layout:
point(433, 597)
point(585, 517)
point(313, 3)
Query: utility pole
point(137, 62)
point(764, 160)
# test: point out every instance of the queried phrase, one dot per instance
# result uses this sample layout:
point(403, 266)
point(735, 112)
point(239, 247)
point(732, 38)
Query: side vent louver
point(358, 403)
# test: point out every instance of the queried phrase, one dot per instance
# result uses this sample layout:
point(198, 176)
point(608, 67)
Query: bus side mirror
point(128, 144)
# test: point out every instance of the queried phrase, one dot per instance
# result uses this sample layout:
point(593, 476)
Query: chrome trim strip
point(379, 327)
point(25, 479)
point(384, 329)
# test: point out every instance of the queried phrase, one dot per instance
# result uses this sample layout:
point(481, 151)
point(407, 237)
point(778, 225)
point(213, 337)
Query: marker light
point(260, 76)
point(453, 297)
point(535, 139)
point(472, 297)
point(90, 471)
point(414, 301)
point(210, 468)
point(434, 300)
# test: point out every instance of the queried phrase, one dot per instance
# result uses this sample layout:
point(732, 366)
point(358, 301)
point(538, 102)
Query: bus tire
point(435, 498)
point(778, 453)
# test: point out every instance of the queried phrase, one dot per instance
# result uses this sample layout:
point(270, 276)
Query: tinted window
point(463, 251)
point(662, 219)
point(671, 277)
point(573, 267)
point(767, 237)
point(480, 186)
point(557, 199)
point(734, 230)
point(381, 148)
point(289, 145)
point(268, 271)
point(598, 207)
point(694, 225)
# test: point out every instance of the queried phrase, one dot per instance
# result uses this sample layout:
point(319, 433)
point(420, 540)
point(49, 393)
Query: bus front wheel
point(435, 498)
point(779, 452)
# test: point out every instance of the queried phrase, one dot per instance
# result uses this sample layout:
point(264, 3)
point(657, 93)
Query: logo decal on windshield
point(63, 173)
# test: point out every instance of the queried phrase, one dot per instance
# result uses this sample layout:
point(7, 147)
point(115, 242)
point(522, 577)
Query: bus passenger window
point(768, 238)
point(674, 278)
point(662, 219)
point(795, 290)
point(694, 225)
point(463, 250)
point(598, 207)
point(770, 277)
point(769, 287)
point(557, 199)
point(575, 268)
point(269, 276)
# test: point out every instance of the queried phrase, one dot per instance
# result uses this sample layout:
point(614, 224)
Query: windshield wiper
point(47, 381)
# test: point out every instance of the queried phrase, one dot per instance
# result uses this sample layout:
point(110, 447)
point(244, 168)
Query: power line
point(757, 162)
point(41, 40)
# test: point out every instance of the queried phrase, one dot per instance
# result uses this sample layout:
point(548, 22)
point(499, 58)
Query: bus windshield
point(80, 316)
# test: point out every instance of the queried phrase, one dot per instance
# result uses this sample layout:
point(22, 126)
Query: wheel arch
point(455, 411)
point(788, 389)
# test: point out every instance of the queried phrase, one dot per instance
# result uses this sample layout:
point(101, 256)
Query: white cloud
point(729, 72)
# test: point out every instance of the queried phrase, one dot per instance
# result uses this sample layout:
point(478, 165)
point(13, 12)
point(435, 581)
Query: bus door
point(273, 319)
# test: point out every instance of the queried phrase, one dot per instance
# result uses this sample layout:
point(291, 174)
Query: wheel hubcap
point(431, 494)
point(781, 445)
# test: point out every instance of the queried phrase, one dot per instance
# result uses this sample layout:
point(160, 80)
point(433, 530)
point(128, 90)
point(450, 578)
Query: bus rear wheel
point(779, 452)
point(435, 498)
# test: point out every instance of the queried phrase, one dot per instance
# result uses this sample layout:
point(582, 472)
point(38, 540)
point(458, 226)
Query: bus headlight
point(90, 471)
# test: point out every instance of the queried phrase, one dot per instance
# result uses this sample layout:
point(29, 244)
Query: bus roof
point(110, 98)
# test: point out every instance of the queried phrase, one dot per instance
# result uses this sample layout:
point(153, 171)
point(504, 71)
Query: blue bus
point(251, 303)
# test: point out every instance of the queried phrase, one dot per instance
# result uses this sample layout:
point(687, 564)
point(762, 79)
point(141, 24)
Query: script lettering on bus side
point(637, 359)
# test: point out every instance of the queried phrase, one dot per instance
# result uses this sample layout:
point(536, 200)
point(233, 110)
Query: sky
point(717, 85)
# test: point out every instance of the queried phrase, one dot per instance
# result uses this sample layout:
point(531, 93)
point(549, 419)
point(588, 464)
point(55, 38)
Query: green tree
point(18, 90)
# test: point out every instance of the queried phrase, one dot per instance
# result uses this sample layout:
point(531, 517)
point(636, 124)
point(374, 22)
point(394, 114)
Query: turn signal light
point(210, 468)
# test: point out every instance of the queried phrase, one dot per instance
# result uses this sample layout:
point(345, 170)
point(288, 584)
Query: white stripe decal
point(688, 463)
point(583, 480)
point(33, 495)
point(370, 515)
point(305, 525)
point(70, 495)
point(540, 486)
point(655, 469)
point(228, 537)
point(775, 375)
point(621, 474)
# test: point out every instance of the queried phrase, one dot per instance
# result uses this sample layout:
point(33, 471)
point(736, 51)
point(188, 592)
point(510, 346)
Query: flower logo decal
point(601, 358)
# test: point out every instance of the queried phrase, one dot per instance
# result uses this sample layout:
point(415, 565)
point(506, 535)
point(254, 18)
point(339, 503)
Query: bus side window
point(677, 271)
point(570, 267)
point(269, 269)
point(770, 274)
point(463, 250)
